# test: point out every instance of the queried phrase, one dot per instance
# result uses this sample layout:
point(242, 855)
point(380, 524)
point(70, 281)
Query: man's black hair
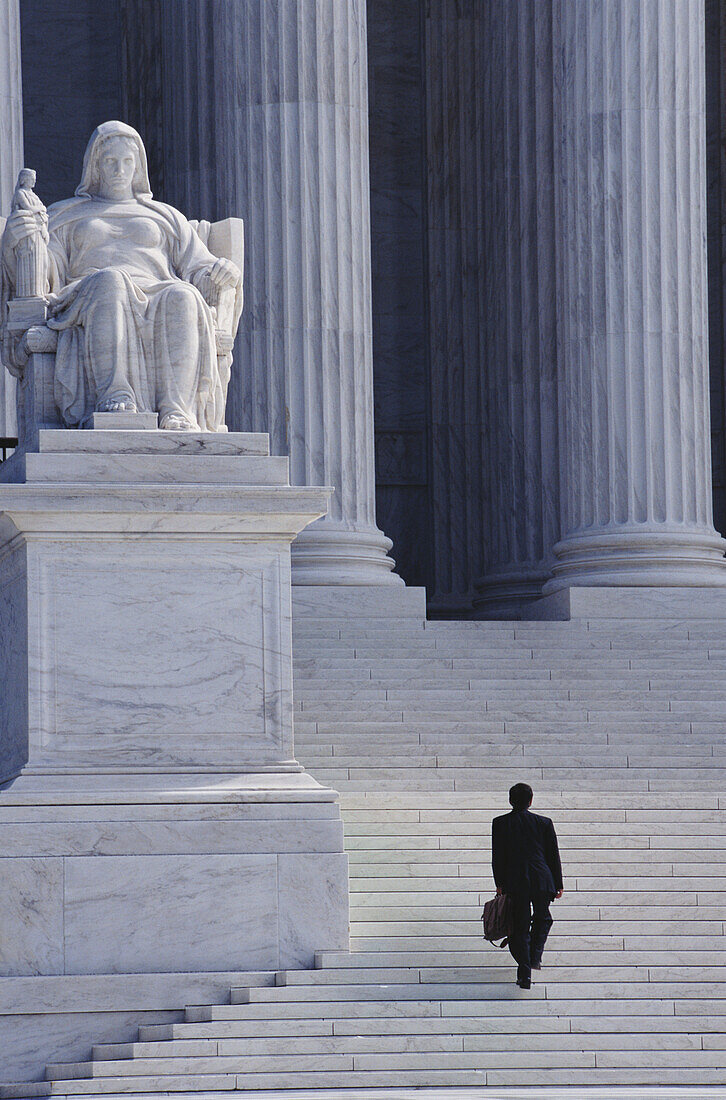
point(520, 796)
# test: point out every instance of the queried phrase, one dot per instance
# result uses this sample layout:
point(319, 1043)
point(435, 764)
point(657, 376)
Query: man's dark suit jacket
point(525, 856)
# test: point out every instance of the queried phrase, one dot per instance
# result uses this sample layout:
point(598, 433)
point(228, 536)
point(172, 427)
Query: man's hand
point(559, 894)
point(224, 273)
point(499, 891)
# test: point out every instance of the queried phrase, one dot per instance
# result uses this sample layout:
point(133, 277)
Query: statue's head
point(26, 178)
point(114, 164)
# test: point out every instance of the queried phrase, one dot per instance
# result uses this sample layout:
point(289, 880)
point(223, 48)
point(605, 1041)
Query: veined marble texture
point(131, 908)
point(31, 898)
point(154, 640)
point(144, 894)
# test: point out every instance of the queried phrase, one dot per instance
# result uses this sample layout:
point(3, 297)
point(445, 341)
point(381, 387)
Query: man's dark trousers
point(531, 922)
point(526, 866)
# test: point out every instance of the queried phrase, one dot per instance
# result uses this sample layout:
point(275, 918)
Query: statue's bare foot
point(116, 405)
point(175, 422)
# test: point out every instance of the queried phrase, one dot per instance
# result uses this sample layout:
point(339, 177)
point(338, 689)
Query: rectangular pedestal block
point(136, 653)
point(153, 820)
point(93, 889)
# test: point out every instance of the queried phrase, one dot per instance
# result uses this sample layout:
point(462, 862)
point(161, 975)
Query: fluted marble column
point(491, 264)
point(454, 46)
point(265, 116)
point(631, 209)
point(11, 160)
point(519, 396)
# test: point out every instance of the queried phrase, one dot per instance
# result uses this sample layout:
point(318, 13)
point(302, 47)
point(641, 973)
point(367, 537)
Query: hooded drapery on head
point(100, 136)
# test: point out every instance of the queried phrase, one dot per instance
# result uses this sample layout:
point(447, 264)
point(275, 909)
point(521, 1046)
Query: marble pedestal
point(153, 819)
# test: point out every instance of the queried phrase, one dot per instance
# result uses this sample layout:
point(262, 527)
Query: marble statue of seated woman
point(124, 271)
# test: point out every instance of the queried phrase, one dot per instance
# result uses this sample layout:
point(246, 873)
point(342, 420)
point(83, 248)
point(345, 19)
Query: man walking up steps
point(526, 867)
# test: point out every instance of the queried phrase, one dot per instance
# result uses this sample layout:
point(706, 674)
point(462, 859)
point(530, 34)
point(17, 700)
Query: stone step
point(569, 833)
point(477, 1007)
point(339, 779)
point(556, 801)
point(470, 942)
point(561, 951)
point(639, 726)
point(596, 926)
point(428, 1041)
point(702, 1075)
point(609, 1026)
point(469, 869)
point(685, 989)
point(484, 974)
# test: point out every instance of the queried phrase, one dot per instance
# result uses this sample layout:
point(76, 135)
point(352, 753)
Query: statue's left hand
point(224, 273)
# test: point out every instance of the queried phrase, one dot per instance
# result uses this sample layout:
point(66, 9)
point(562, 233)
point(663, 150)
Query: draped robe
point(131, 322)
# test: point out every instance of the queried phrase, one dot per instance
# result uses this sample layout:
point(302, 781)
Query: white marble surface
point(632, 303)
point(208, 912)
point(355, 600)
point(152, 640)
point(31, 901)
point(635, 602)
point(64, 441)
point(11, 160)
point(303, 912)
point(179, 469)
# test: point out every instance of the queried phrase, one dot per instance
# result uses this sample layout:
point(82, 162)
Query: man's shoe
point(536, 966)
point(524, 983)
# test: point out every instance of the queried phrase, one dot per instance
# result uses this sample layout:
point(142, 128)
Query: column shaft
point(453, 59)
point(520, 398)
point(631, 212)
point(265, 116)
point(491, 266)
point(11, 160)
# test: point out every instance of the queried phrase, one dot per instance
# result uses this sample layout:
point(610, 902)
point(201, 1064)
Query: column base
point(510, 592)
point(329, 553)
point(643, 558)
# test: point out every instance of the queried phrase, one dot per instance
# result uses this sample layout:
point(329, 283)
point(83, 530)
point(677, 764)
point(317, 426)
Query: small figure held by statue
point(31, 251)
point(133, 293)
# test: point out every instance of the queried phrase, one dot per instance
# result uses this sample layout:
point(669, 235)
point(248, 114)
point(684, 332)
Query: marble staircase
point(619, 726)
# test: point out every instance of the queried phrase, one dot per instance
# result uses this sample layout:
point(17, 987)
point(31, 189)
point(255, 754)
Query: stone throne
point(158, 838)
point(32, 358)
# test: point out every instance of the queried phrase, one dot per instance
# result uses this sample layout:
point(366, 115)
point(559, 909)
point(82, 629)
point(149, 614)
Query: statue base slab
point(125, 421)
point(154, 818)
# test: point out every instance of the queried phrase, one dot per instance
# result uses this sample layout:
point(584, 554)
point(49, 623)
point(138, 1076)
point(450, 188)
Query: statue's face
point(116, 168)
